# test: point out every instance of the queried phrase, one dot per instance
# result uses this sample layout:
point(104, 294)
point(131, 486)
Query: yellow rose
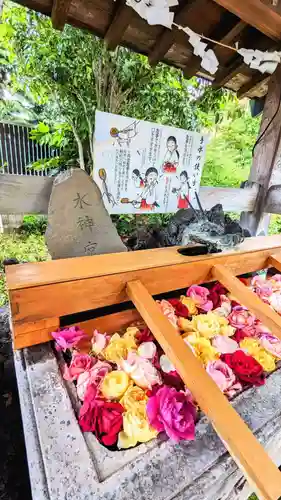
point(185, 325)
point(190, 304)
point(114, 384)
point(208, 325)
point(118, 346)
point(202, 348)
point(266, 360)
point(136, 429)
point(253, 347)
point(134, 397)
point(227, 330)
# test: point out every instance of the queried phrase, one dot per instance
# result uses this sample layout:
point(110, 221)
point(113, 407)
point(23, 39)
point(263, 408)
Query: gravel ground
point(14, 478)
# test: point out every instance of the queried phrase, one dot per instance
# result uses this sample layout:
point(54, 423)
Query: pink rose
point(224, 344)
point(92, 378)
point(224, 377)
point(260, 328)
point(241, 317)
point(200, 296)
point(275, 301)
point(225, 308)
point(141, 370)
point(168, 311)
point(99, 341)
point(271, 344)
point(276, 282)
point(67, 337)
point(80, 363)
point(262, 288)
point(173, 412)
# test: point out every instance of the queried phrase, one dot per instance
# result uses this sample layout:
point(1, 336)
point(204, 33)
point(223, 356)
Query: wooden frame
point(41, 293)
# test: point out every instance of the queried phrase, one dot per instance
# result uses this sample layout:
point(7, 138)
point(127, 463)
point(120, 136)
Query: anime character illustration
point(183, 190)
point(125, 136)
point(104, 191)
point(171, 158)
point(137, 178)
point(147, 200)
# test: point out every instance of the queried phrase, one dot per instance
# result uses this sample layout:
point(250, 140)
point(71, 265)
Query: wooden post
point(266, 154)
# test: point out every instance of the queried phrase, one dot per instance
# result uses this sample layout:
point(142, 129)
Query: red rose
point(144, 335)
point(245, 367)
point(180, 309)
point(101, 417)
point(239, 335)
point(215, 294)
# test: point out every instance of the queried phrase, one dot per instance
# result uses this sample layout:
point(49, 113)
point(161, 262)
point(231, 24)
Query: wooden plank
point(275, 261)
point(33, 304)
point(248, 299)
point(59, 14)
point(237, 437)
point(255, 13)
point(273, 200)
point(81, 268)
point(165, 41)
point(30, 194)
point(118, 26)
point(28, 334)
point(24, 194)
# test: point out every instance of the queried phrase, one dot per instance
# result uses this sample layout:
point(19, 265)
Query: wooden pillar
point(266, 155)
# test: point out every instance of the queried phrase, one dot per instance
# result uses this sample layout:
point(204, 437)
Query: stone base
point(66, 464)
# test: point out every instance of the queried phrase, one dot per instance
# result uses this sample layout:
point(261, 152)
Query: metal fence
point(17, 150)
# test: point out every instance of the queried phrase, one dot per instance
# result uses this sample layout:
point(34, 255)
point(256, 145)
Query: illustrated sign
point(143, 167)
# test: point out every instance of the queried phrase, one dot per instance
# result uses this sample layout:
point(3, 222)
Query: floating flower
point(240, 335)
point(216, 292)
point(202, 348)
point(80, 363)
point(253, 347)
point(261, 329)
point(68, 337)
point(136, 429)
point(224, 344)
point(200, 295)
point(190, 304)
point(101, 417)
point(147, 350)
point(166, 365)
point(115, 384)
point(208, 325)
point(275, 282)
point(262, 287)
point(224, 377)
point(92, 377)
point(134, 397)
point(173, 412)
point(99, 341)
point(245, 367)
point(180, 309)
point(141, 370)
point(241, 317)
point(271, 344)
point(275, 301)
point(144, 335)
point(118, 348)
point(168, 311)
point(225, 307)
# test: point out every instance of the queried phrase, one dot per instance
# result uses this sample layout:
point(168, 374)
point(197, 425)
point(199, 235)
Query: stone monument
point(78, 223)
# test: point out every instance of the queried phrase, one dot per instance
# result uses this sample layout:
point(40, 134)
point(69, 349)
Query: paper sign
point(143, 167)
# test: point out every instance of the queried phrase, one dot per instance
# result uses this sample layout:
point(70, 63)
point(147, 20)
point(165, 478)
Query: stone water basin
point(65, 464)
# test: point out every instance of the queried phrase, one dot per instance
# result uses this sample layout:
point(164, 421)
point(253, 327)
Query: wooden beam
point(265, 159)
point(118, 26)
point(273, 200)
point(30, 194)
point(237, 437)
point(165, 41)
point(226, 74)
point(257, 80)
point(255, 13)
point(194, 62)
point(59, 13)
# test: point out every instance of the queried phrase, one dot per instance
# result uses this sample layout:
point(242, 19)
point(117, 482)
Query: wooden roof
point(253, 23)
